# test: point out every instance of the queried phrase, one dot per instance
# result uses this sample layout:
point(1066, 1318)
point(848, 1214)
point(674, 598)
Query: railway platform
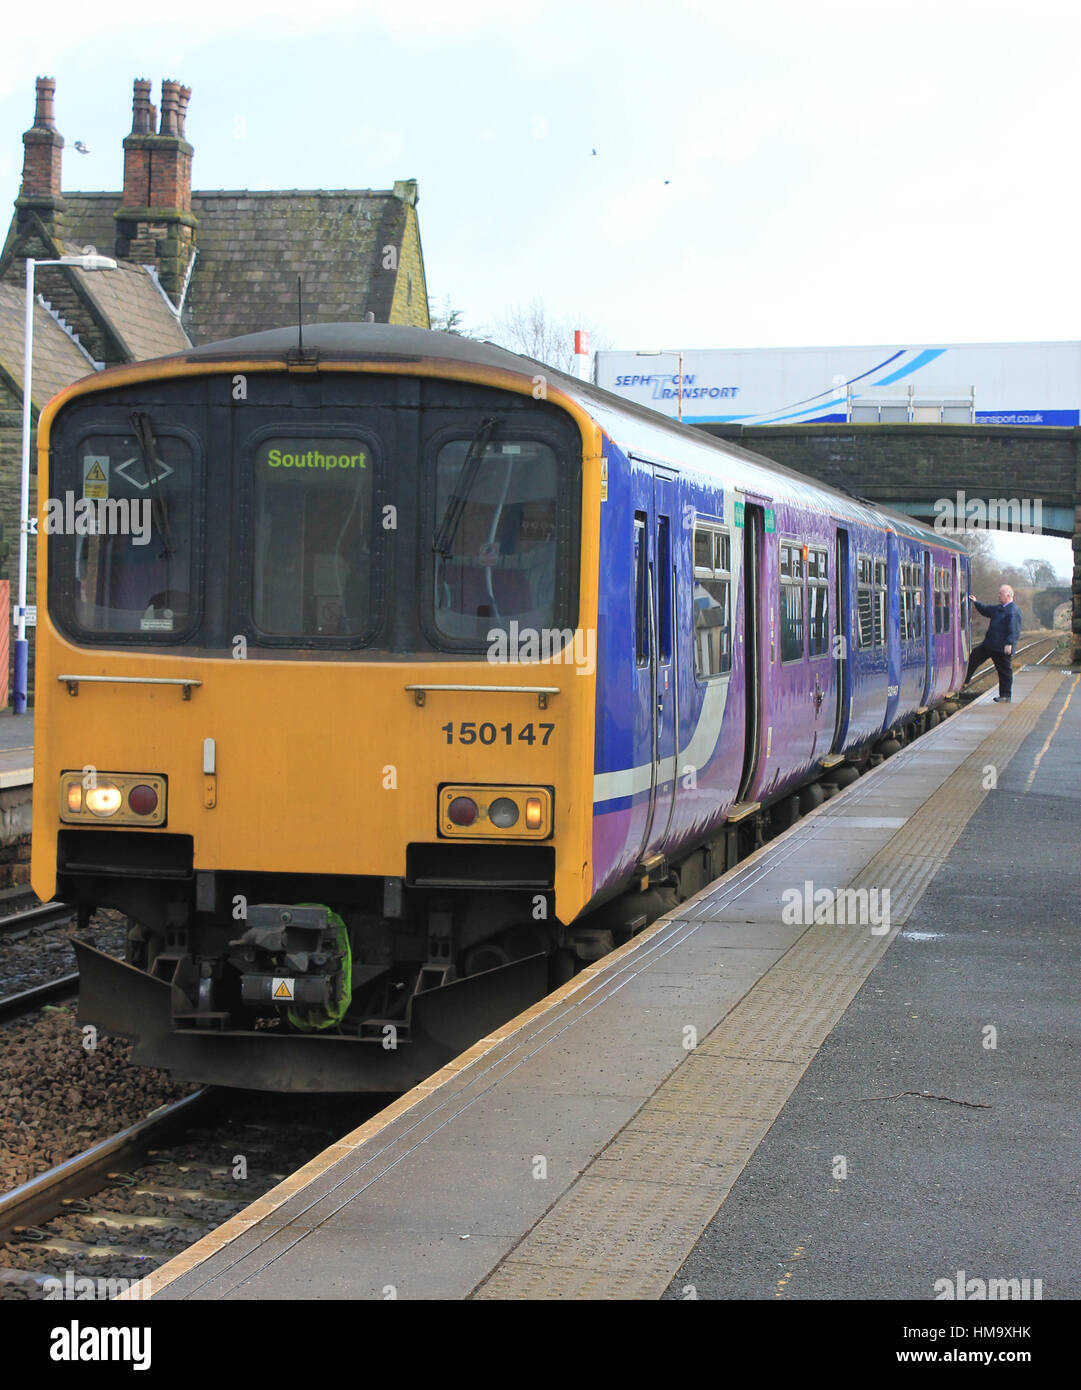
point(848, 1068)
point(16, 796)
point(16, 749)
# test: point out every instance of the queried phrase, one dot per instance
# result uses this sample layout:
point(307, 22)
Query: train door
point(656, 693)
point(893, 628)
point(928, 626)
point(962, 647)
point(666, 704)
point(842, 662)
point(753, 522)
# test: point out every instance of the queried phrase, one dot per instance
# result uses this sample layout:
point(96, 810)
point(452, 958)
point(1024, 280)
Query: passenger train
point(396, 675)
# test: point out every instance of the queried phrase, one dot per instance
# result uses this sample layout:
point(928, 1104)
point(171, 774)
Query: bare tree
point(532, 331)
point(1039, 572)
point(988, 572)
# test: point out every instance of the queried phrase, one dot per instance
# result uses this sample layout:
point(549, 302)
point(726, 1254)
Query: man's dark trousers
point(1003, 665)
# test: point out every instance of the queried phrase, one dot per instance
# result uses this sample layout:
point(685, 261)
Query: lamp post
point(87, 262)
point(677, 353)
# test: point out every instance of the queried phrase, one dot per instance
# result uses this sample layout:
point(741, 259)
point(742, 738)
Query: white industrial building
point(953, 383)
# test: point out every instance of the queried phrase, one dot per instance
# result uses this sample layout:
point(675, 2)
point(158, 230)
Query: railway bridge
point(1004, 476)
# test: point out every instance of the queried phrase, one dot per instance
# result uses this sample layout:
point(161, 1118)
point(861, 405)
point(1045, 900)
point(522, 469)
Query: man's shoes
point(1003, 700)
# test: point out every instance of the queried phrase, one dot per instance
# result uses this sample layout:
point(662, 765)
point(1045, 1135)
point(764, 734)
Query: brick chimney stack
point(42, 146)
point(154, 224)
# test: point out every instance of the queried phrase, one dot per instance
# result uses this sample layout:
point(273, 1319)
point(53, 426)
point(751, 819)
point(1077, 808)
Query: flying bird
point(83, 149)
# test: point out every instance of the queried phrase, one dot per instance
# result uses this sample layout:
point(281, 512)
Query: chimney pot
point(141, 108)
point(170, 108)
point(44, 116)
point(182, 110)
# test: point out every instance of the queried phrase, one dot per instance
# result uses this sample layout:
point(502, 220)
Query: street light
point(87, 262)
point(679, 387)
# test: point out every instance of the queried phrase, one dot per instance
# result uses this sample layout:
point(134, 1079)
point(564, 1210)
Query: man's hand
point(1009, 651)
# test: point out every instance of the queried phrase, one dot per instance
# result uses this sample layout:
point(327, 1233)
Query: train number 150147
point(471, 732)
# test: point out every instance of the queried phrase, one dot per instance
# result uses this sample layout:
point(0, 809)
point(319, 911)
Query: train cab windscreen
point(121, 534)
point(312, 539)
point(495, 538)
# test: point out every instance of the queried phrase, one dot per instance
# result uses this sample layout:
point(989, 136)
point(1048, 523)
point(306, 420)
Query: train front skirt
point(443, 1022)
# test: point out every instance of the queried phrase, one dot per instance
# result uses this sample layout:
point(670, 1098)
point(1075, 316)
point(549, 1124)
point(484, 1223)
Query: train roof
point(625, 421)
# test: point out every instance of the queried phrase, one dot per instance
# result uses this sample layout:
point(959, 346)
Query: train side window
point(641, 592)
point(941, 583)
point(865, 601)
point(793, 601)
point(818, 602)
point(712, 602)
point(911, 602)
point(880, 600)
point(904, 600)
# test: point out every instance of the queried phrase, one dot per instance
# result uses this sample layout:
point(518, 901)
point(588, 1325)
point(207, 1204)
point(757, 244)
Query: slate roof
point(57, 360)
point(136, 309)
point(251, 246)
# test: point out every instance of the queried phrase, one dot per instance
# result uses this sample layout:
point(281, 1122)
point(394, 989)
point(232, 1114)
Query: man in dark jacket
point(999, 641)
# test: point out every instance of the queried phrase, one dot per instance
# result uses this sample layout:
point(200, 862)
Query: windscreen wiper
point(144, 437)
point(463, 486)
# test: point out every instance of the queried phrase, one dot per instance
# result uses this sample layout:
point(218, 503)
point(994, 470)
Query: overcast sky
point(766, 174)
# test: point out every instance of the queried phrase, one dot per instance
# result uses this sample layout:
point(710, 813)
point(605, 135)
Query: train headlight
point(503, 812)
point(121, 798)
point(104, 799)
point(494, 813)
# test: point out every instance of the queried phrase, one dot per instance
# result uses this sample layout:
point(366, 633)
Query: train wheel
point(562, 966)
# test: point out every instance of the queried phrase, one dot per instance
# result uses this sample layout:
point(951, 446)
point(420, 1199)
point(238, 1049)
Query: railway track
point(51, 992)
point(18, 925)
point(93, 1224)
point(20, 931)
point(43, 1197)
point(987, 672)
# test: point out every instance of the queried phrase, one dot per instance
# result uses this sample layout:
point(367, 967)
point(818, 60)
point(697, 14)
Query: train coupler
point(290, 956)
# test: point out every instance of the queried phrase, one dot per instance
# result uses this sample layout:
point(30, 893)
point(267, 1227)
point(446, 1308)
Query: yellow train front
point(279, 723)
